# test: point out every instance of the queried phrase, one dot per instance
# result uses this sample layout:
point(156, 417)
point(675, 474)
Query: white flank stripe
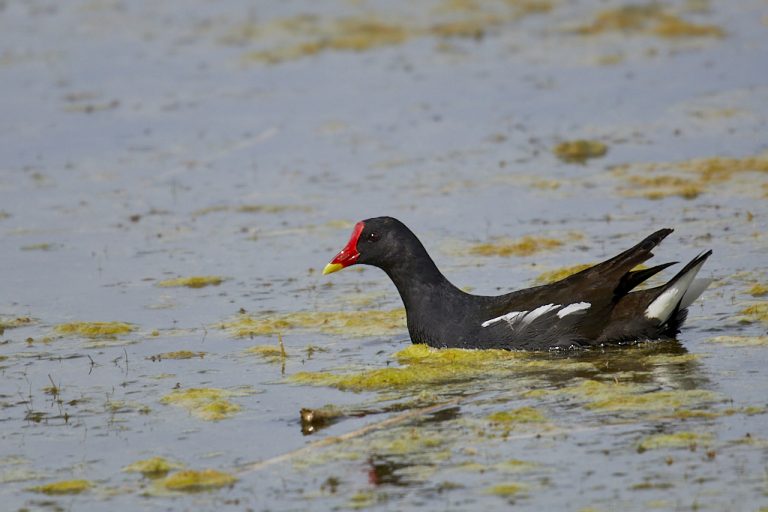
point(536, 313)
point(573, 308)
point(509, 317)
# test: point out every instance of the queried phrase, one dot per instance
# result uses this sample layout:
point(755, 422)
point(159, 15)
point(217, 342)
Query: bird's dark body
point(441, 315)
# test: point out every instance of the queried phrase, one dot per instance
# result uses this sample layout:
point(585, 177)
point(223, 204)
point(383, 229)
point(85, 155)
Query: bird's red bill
point(348, 255)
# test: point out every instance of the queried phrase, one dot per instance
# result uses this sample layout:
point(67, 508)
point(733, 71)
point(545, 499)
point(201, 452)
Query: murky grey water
point(143, 142)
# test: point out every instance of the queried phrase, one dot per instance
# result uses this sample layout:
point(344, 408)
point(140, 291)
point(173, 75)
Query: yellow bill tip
point(332, 267)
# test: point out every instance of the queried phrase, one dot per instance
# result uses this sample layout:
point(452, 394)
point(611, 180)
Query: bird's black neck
point(418, 279)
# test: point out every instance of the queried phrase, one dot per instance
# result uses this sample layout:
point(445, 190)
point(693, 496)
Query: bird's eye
point(373, 237)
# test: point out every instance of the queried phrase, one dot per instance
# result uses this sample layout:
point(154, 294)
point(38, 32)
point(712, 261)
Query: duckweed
point(191, 480)
point(192, 282)
point(526, 246)
point(63, 487)
point(94, 329)
point(154, 467)
point(579, 151)
point(676, 440)
point(205, 403)
point(344, 323)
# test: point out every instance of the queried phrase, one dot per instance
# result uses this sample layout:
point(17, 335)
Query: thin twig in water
point(283, 354)
point(321, 443)
point(402, 418)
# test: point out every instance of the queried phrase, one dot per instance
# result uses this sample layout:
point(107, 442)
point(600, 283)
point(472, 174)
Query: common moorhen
point(596, 306)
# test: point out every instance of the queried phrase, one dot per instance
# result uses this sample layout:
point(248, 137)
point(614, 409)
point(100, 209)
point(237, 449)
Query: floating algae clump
point(659, 187)
point(516, 466)
point(649, 19)
point(741, 341)
point(677, 440)
point(63, 487)
point(552, 276)
point(205, 403)
point(693, 178)
point(758, 290)
point(307, 35)
point(345, 34)
point(521, 415)
point(179, 354)
point(269, 352)
point(192, 282)
point(152, 468)
point(94, 329)
point(579, 151)
point(408, 443)
point(191, 480)
point(14, 322)
point(526, 246)
point(757, 311)
point(508, 489)
point(635, 397)
point(345, 323)
point(425, 366)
